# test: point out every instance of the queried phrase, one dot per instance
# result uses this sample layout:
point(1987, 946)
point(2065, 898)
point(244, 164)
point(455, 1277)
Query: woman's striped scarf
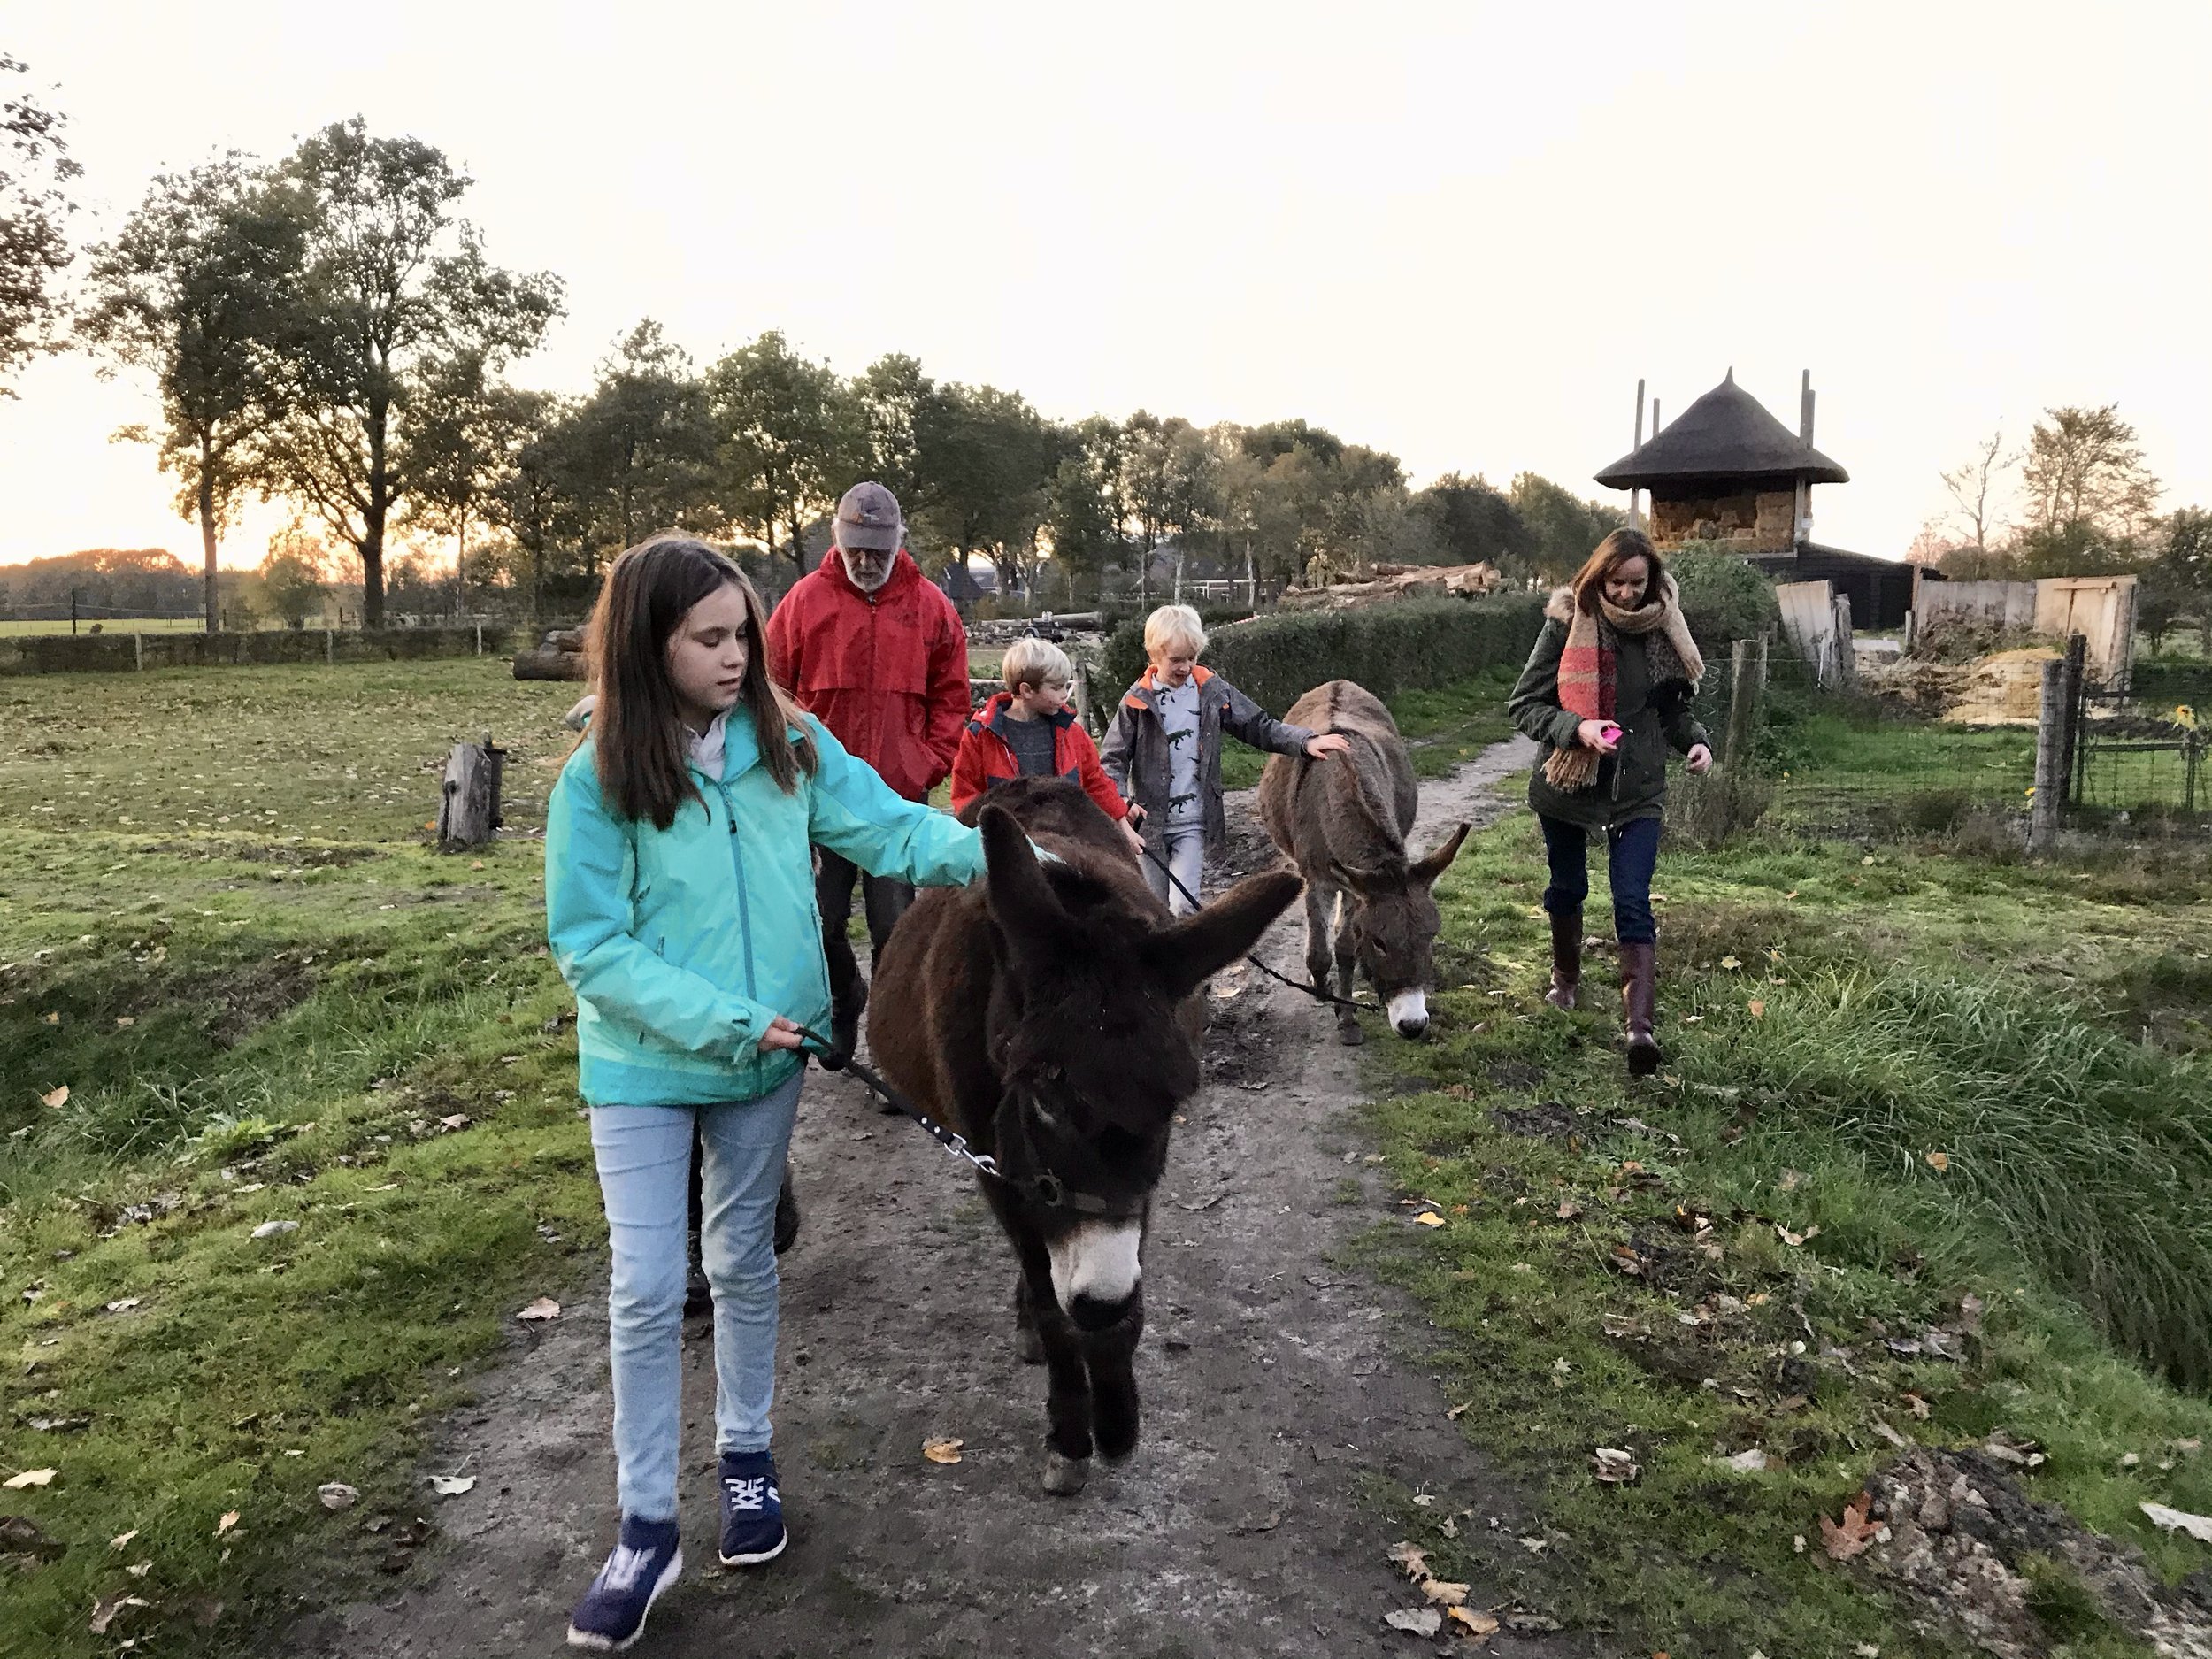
point(1588, 673)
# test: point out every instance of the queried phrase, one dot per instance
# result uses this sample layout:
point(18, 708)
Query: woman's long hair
point(636, 727)
point(1615, 550)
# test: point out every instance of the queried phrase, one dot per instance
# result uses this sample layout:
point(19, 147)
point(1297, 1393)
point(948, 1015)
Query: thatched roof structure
point(1725, 434)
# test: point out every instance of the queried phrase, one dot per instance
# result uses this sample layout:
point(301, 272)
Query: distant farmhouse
point(1727, 471)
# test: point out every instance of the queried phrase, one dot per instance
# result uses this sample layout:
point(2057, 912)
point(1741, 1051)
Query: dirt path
point(1277, 1392)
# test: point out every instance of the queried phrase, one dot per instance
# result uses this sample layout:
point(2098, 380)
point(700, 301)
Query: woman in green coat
point(1607, 692)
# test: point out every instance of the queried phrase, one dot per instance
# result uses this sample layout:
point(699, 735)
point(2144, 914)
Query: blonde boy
point(1028, 731)
point(1163, 752)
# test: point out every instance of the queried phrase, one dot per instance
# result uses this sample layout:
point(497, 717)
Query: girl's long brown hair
point(636, 729)
point(1617, 549)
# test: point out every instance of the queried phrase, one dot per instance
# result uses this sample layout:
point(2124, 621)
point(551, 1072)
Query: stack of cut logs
point(560, 657)
point(1395, 582)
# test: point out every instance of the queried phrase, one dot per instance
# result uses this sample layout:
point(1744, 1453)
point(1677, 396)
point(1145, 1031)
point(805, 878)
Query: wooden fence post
point(468, 808)
point(1747, 673)
point(138, 651)
point(2077, 689)
point(1846, 651)
point(2050, 750)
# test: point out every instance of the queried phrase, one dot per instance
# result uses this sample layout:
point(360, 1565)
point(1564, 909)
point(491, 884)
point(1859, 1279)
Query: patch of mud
point(2012, 1573)
point(1283, 1405)
point(1549, 1120)
point(262, 853)
point(241, 1000)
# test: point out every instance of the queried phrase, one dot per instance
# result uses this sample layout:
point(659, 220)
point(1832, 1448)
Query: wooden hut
point(1726, 472)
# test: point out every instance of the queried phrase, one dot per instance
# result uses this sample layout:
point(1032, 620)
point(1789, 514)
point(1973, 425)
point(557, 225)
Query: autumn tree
point(987, 464)
point(2084, 468)
point(395, 287)
point(638, 454)
point(193, 290)
point(36, 171)
point(1975, 485)
point(1563, 528)
point(788, 441)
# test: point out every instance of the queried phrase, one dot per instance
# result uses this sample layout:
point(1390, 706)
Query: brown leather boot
point(1566, 959)
point(1639, 1004)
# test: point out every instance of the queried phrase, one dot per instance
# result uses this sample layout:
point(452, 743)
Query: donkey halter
point(1044, 1188)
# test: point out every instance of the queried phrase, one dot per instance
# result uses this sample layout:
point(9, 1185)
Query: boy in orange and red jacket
point(1028, 731)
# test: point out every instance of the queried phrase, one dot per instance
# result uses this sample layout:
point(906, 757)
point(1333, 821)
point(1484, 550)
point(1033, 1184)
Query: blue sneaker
point(752, 1511)
point(646, 1561)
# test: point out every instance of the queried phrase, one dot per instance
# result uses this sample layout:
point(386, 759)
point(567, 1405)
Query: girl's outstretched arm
point(856, 814)
point(588, 871)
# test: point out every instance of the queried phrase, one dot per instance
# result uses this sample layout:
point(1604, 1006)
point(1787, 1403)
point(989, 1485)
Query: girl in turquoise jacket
point(680, 906)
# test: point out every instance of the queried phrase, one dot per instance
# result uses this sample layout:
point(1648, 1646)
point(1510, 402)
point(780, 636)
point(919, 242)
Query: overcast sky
point(1458, 232)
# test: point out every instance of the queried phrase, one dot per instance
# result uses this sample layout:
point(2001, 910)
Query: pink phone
point(1612, 733)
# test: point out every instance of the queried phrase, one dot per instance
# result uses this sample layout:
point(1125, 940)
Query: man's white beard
point(866, 584)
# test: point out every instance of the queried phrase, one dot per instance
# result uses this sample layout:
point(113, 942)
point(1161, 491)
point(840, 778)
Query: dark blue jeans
point(1632, 854)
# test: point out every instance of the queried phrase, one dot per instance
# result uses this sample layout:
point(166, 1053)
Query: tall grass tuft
point(2091, 1154)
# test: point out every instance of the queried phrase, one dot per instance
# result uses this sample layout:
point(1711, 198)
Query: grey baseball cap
point(868, 516)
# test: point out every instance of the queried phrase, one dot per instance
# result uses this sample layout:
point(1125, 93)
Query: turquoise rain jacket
point(682, 944)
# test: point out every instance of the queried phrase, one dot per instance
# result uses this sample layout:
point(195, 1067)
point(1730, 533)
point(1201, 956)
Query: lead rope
point(1281, 978)
point(1046, 1188)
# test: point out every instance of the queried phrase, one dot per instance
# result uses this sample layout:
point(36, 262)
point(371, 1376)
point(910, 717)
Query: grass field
point(1910, 1086)
point(269, 1003)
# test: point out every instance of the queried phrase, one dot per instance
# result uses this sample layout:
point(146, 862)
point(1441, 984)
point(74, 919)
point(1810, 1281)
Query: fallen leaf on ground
point(121, 1539)
point(30, 1478)
point(1850, 1536)
point(122, 1304)
point(1795, 1239)
point(105, 1610)
point(1203, 1203)
point(451, 1486)
point(1730, 962)
point(1751, 1463)
point(1443, 1595)
point(942, 1451)
point(1412, 1557)
point(229, 1520)
point(55, 1096)
point(1614, 1467)
point(1757, 1005)
point(2198, 1527)
point(2008, 1447)
point(1416, 1621)
point(139, 1569)
point(1569, 1209)
point(459, 1120)
point(1458, 1411)
point(127, 1020)
point(272, 1229)
point(1938, 1162)
point(1789, 1181)
point(543, 1307)
point(336, 1495)
point(1430, 1218)
point(1473, 1622)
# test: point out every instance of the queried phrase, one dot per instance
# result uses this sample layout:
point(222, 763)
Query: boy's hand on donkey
point(1327, 743)
point(781, 1033)
point(1699, 758)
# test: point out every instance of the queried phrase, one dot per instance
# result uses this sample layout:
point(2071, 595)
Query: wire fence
point(2137, 761)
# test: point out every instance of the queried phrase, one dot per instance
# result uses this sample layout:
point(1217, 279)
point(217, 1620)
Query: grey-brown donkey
point(1343, 821)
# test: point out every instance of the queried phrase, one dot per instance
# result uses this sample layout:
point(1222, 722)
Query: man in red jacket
point(870, 648)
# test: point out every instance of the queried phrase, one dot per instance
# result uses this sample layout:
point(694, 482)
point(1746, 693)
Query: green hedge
point(2162, 685)
point(1406, 645)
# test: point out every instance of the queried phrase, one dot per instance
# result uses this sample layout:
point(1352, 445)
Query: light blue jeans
point(1185, 845)
point(644, 1157)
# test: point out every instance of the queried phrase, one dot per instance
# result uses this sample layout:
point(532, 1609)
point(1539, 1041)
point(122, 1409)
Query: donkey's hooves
point(1064, 1475)
point(1116, 1443)
point(1350, 1035)
point(1029, 1347)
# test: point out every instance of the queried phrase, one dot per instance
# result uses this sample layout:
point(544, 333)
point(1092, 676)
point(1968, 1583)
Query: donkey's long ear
point(1021, 901)
point(1184, 955)
point(1425, 873)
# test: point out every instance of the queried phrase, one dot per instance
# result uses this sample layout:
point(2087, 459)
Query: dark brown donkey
point(1048, 1014)
point(1343, 821)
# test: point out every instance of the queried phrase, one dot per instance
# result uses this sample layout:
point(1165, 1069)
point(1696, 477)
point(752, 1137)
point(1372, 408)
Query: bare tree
point(1974, 483)
point(2085, 468)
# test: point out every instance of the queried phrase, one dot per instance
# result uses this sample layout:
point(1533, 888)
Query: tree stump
point(468, 810)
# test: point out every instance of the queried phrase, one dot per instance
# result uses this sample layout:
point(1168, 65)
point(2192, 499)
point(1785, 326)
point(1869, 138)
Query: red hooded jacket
point(887, 672)
point(986, 759)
